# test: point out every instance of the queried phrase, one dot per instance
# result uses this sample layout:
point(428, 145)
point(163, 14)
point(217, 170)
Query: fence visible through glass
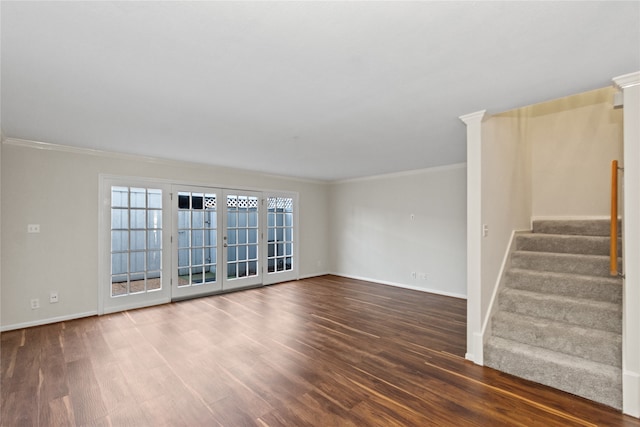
point(242, 236)
point(197, 238)
point(279, 234)
point(136, 240)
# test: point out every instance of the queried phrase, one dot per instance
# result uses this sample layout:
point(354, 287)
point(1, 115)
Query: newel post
point(474, 235)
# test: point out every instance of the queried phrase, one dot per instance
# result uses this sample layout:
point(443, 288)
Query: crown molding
point(478, 116)
point(47, 146)
point(402, 174)
point(627, 80)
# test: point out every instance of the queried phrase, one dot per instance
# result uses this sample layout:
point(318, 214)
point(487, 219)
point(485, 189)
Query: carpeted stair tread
point(608, 289)
point(590, 265)
point(558, 316)
point(575, 227)
point(592, 380)
point(591, 344)
point(586, 313)
point(564, 243)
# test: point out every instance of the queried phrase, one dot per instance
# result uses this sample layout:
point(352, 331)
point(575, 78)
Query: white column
point(630, 85)
point(474, 235)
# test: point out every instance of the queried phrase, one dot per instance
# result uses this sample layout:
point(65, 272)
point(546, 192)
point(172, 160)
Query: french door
point(241, 236)
point(215, 241)
point(195, 241)
point(163, 242)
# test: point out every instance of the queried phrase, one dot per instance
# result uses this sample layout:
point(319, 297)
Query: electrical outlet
point(422, 276)
point(35, 303)
point(33, 228)
point(53, 297)
point(413, 275)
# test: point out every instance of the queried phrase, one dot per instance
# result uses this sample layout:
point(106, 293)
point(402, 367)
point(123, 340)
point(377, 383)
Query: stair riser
point(578, 287)
point(582, 228)
point(565, 244)
point(583, 315)
point(589, 266)
point(570, 379)
point(594, 346)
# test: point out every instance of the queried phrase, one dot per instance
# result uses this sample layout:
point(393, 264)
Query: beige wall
point(573, 142)
point(549, 160)
point(58, 189)
point(506, 193)
point(375, 237)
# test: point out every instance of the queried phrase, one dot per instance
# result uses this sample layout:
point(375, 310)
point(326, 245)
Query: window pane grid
point(136, 240)
point(280, 234)
point(242, 241)
point(197, 238)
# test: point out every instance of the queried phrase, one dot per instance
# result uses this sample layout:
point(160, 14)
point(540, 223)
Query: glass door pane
point(136, 240)
point(281, 238)
point(241, 239)
point(134, 267)
point(195, 242)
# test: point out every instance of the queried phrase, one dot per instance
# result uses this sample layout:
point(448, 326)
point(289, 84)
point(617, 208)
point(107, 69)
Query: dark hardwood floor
point(326, 351)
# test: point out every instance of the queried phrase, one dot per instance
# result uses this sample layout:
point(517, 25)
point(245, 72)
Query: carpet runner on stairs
point(559, 316)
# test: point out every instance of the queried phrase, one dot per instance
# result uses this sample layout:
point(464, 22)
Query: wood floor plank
point(324, 351)
point(84, 392)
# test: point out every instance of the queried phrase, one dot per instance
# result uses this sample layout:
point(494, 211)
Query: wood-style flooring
point(325, 351)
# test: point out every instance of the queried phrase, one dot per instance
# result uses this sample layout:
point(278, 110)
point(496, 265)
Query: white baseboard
point(631, 393)
point(478, 350)
point(402, 285)
point(137, 305)
point(486, 325)
point(309, 276)
point(47, 321)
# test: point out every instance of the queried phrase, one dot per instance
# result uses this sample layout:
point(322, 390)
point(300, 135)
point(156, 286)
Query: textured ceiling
point(321, 90)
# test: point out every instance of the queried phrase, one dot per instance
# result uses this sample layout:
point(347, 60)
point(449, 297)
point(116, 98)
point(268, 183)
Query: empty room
point(309, 213)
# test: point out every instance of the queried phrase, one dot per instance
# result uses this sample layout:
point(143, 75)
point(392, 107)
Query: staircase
point(559, 316)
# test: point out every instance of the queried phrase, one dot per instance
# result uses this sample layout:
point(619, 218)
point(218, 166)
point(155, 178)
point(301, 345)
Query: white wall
point(57, 188)
point(573, 141)
point(374, 236)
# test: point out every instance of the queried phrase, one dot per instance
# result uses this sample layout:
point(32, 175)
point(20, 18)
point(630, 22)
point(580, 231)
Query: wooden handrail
point(613, 253)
